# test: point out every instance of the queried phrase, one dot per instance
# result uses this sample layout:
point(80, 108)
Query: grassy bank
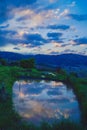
point(9, 120)
point(80, 88)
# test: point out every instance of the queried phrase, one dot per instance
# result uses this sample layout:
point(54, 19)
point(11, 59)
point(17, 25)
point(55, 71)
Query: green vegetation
point(10, 120)
point(80, 88)
point(27, 63)
point(2, 61)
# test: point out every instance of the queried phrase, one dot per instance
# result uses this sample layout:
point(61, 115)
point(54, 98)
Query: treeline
point(24, 63)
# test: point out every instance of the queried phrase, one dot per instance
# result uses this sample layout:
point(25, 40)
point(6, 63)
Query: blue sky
point(43, 26)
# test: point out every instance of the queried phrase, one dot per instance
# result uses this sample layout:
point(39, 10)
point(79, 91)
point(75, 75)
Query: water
point(37, 101)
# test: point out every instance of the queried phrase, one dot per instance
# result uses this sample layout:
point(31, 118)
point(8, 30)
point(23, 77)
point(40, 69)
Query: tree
point(14, 63)
point(2, 61)
point(60, 71)
point(27, 63)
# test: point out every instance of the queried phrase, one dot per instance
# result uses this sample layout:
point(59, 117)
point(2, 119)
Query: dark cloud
point(6, 40)
point(54, 53)
point(64, 45)
point(7, 32)
point(36, 91)
point(54, 92)
point(5, 26)
point(23, 18)
point(60, 27)
point(69, 51)
point(78, 17)
point(6, 37)
point(6, 7)
point(16, 48)
point(80, 41)
point(54, 36)
point(35, 38)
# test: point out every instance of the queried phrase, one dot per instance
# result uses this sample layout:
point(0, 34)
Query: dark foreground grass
point(80, 88)
point(10, 120)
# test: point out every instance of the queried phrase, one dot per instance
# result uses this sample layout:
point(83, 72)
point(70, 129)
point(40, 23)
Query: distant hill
point(69, 62)
point(11, 56)
point(49, 60)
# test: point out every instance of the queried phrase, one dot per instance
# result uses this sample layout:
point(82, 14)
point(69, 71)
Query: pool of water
point(39, 100)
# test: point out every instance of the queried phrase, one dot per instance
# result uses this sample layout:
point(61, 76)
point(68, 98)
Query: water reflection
point(37, 101)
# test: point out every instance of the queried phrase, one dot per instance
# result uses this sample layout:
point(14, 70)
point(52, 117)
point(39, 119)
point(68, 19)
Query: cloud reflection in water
point(37, 101)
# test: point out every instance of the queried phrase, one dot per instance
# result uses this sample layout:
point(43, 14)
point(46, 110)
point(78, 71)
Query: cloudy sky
point(43, 26)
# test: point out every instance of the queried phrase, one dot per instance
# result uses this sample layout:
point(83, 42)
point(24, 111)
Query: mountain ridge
point(54, 60)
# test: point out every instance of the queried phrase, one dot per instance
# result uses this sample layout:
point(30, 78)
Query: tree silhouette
point(27, 63)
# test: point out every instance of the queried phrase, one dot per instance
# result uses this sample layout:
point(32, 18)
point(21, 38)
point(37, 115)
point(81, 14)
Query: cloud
point(60, 27)
point(7, 40)
point(15, 38)
point(6, 7)
point(38, 25)
point(22, 18)
point(6, 37)
point(35, 18)
point(23, 14)
point(80, 41)
point(7, 32)
point(52, 52)
point(69, 51)
point(35, 39)
point(4, 26)
point(54, 36)
point(52, 1)
point(53, 5)
point(16, 48)
point(78, 17)
point(64, 13)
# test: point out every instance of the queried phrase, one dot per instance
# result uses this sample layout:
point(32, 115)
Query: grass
point(80, 88)
point(10, 120)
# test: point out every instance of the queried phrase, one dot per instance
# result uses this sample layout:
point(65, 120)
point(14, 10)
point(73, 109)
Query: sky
point(43, 26)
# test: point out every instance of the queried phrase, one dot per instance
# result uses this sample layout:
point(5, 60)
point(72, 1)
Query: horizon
point(43, 54)
point(48, 27)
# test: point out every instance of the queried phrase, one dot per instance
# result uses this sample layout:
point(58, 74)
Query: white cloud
point(65, 12)
point(73, 4)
